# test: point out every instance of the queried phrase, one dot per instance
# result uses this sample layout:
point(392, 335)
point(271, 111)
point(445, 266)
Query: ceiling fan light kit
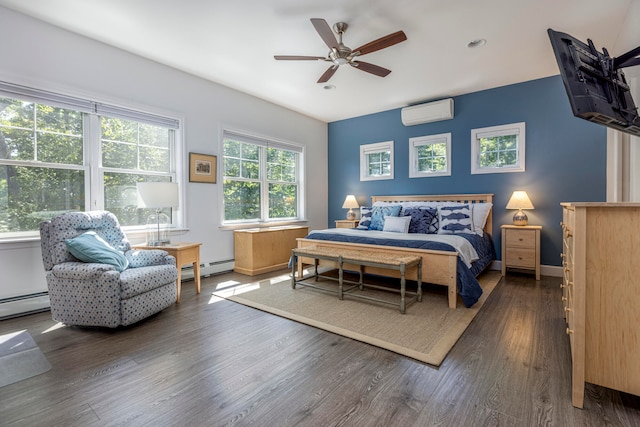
point(339, 54)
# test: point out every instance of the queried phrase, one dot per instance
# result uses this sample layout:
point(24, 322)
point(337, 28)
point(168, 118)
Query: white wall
point(43, 56)
point(623, 150)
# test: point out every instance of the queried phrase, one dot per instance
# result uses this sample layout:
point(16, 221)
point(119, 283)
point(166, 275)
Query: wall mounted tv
point(595, 83)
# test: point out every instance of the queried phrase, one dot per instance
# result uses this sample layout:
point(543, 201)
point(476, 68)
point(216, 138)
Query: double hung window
point(60, 154)
point(262, 180)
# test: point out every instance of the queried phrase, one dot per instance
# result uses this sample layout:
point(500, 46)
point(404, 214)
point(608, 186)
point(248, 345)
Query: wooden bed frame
point(438, 267)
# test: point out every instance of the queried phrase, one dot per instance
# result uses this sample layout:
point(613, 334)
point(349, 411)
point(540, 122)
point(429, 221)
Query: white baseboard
point(545, 270)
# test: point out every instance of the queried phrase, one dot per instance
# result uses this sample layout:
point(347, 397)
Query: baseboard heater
point(38, 302)
point(24, 304)
point(209, 269)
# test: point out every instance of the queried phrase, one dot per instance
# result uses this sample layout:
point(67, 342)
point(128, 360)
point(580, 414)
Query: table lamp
point(158, 196)
point(350, 203)
point(519, 200)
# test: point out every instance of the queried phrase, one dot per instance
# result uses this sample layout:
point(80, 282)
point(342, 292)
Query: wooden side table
point(185, 253)
point(347, 223)
point(521, 247)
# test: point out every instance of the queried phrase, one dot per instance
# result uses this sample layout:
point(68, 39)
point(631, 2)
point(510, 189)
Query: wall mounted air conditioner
point(429, 112)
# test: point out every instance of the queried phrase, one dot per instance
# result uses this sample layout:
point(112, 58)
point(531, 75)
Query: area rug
point(427, 331)
point(20, 358)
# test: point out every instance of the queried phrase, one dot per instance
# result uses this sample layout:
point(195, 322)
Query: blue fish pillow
point(378, 214)
point(455, 219)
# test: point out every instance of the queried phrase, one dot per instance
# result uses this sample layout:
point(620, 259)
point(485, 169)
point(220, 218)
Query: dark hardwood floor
point(211, 362)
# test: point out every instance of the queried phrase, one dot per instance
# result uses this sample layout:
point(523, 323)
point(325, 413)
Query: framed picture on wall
point(202, 168)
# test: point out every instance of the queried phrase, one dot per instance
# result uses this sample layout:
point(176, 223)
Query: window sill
point(245, 225)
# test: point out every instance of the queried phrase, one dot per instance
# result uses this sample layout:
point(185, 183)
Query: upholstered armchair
point(93, 276)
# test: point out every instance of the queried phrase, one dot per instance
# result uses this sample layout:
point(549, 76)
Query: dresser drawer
point(518, 257)
point(521, 239)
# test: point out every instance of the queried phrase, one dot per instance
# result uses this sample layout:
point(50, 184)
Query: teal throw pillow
point(89, 247)
point(378, 214)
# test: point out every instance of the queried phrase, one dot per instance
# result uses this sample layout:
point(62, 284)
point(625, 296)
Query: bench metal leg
point(340, 294)
point(293, 270)
point(403, 283)
point(420, 281)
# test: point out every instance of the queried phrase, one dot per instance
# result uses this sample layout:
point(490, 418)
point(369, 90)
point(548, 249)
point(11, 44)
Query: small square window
point(498, 149)
point(376, 161)
point(430, 156)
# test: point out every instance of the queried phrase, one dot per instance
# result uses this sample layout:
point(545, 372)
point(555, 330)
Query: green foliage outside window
point(379, 163)
point(432, 157)
point(499, 151)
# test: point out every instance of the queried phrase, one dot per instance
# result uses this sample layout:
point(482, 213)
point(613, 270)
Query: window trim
point(377, 147)
point(518, 129)
point(420, 141)
point(265, 142)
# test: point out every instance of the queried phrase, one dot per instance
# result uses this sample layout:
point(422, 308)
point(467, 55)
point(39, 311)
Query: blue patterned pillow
point(435, 224)
point(421, 219)
point(378, 214)
point(455, 219)
point(365, 218)
point(89, 247)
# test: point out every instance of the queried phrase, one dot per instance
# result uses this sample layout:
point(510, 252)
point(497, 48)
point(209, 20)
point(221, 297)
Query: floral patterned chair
point(120, 287)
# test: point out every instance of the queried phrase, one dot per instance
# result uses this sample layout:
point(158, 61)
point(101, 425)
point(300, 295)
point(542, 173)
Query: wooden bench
point(362, 259)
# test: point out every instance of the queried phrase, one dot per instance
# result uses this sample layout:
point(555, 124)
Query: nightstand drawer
point(525, 258)
point(521, 239)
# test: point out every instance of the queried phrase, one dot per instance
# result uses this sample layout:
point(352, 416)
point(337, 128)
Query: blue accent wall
point(565, 157)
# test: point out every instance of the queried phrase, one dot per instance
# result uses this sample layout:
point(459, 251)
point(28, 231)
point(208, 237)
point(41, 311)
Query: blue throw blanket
point(467, 284)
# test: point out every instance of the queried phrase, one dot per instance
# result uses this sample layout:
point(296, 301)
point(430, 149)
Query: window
point(498, 149)
point(376, 161)
point(262, 180)
point(430, 156)
point(60, 154)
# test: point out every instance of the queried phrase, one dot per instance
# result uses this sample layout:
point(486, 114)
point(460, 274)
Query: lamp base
point(351, 215)
point(520, 218)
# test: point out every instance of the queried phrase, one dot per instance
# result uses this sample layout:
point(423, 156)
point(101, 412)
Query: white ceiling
point(233, 42)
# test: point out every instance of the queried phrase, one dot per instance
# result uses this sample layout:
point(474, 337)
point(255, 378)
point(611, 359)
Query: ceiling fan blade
point(325, 32)
point(328, 74)
point(298, 58)
point(381, 43)
point(370, 68)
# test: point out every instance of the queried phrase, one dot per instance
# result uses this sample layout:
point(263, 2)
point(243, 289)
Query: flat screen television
point(595, 83)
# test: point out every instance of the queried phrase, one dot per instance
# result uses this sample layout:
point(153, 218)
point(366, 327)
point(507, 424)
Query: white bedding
point(465, 250)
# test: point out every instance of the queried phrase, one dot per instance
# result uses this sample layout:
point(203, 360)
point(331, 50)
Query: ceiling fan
point(341, 54)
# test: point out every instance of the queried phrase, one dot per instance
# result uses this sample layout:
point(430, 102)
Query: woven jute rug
point(426, 332)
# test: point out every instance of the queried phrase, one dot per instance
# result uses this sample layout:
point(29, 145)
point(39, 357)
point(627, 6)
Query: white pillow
point(396, 224)
point(480, 215)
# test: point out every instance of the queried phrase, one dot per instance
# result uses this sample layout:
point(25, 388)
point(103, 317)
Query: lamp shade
point(519, 200)
point(350, 202)
point(157, 195)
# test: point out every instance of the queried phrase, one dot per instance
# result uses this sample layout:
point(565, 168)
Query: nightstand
point(521, 248)
point(184, 253)
point(347, 223)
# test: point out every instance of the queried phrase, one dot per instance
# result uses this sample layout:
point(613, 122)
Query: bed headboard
point(457, 198)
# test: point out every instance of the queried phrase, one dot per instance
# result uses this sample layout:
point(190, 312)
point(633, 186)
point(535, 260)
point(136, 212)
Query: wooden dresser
point(261, 250)
point(601, 294)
